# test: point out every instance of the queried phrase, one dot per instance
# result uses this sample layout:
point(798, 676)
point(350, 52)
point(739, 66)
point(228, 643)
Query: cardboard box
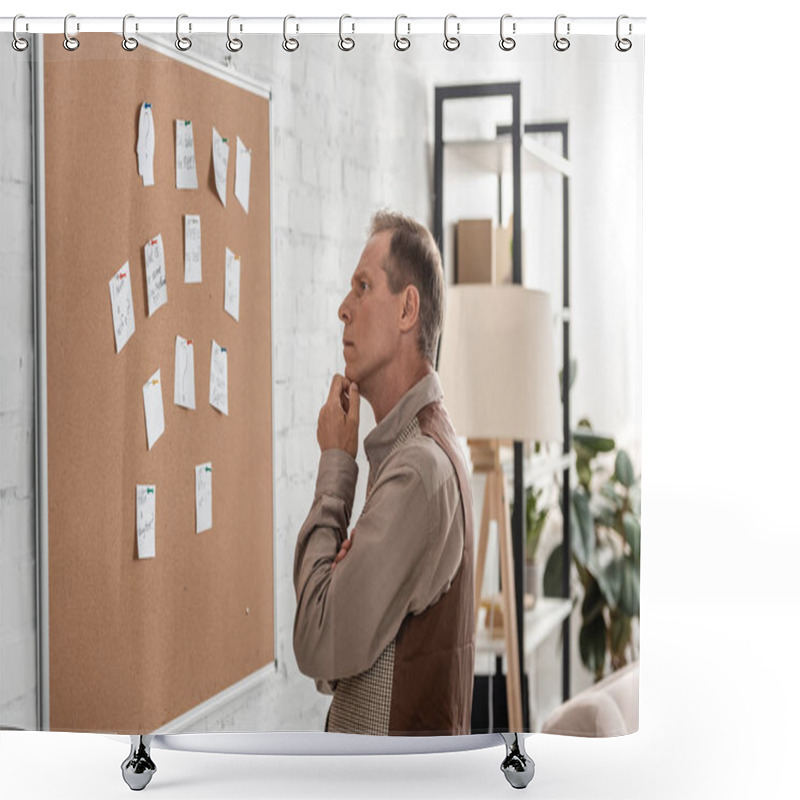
point(483, 252)
point(504, 262)
point(475, 251)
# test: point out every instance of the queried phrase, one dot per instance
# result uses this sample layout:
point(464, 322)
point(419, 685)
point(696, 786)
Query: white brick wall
point(17, 512)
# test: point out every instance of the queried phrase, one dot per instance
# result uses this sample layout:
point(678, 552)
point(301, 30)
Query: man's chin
point(350, 373)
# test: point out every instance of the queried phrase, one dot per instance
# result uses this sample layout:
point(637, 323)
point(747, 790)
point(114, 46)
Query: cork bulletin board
point(136, 642)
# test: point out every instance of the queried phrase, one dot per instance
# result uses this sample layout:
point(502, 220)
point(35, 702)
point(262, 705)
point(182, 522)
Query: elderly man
point(385, 618)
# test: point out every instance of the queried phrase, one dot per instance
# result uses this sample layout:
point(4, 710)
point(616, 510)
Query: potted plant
point(535, 518)
point(605, 534)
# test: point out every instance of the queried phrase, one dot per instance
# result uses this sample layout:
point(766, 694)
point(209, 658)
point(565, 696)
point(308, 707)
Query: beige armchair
point(609, 708)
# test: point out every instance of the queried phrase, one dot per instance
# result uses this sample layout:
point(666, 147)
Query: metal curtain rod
point(462, 26)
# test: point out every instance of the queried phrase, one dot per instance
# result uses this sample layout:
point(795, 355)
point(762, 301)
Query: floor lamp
point(497, 369)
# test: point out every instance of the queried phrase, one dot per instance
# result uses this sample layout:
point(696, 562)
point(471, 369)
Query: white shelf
point(542, 620)
point(496, 156)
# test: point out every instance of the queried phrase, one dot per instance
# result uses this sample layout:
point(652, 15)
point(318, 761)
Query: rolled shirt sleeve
point(405, 551)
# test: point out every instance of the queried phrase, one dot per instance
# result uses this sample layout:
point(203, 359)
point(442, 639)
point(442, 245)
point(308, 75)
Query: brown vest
point(421, 685)
point(434, 658)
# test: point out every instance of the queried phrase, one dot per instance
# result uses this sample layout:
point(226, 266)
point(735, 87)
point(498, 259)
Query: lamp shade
point(497, 363)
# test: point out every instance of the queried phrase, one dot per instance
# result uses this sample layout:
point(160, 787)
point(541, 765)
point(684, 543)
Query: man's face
point(370, 313)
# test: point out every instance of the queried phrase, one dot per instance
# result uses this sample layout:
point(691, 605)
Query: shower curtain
point(199, 216)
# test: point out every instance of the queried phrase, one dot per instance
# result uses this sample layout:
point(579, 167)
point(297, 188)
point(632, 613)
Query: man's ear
point(410, 314)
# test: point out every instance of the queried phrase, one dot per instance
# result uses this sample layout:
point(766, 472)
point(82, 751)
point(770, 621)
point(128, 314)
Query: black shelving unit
point(515, 131)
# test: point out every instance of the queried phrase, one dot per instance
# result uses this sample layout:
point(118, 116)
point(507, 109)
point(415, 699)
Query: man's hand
point(337, 426)
point(342, 553)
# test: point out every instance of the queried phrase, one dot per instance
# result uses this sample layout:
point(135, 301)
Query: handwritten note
point(146, 144)
point(185, 166)
point(202, 497)
point(192, 253)
point(184, 372)
point(220, 158)
point(153, 408)
point(146, 520)
point(232, 274)
point(122, 306)
point(242, 183)
point(156, 274)
point(218, 382)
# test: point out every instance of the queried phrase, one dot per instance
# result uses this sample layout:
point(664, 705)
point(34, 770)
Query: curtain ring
point(18, 43)
point(561, 43)
point(233, 44)
point(345, 42)
point(451, 42)
point(506, 42)
point(401, 43)
point(289, 44)
point(128, 42)
point(623, 45)
point(70, 42)
point(183, 43)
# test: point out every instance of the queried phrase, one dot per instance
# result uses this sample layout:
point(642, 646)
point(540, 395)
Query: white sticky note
point(218, 382)
point(122, 306)
point(185, 165)
point(146, 144)
point(233, 266)
point(184, 372)
point(192, 253)
point(156, 271)
point(146, 520)
point(202, 497)
point(241, 186)
point(153, 408)
point(220, 159)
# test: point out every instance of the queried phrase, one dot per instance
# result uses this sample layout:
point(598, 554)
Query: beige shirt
point(406, 546)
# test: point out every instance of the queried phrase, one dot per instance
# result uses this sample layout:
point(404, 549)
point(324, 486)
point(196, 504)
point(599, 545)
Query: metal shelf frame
point(516, 130)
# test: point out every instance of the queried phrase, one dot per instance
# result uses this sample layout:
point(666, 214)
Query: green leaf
point(593, 602)
point(620, 633)
point(584, 575)
point(633, 535)
point(535, 518)
point(635, 497)
point(592, 643)
point(608, 576)
point(629, 590)
point(609, 492)
point(604, 512)
point(584, 474)
point(592, 441)
point(573, 371)
point(582, 525)
point(552, 572)
point(583, 453)
point(623, 469)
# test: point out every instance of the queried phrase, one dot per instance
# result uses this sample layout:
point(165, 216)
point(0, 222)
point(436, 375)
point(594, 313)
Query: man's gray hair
point(414, 258)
